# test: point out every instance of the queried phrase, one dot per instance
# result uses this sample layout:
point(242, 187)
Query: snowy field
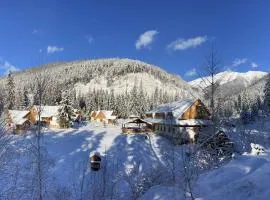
point(133, 167)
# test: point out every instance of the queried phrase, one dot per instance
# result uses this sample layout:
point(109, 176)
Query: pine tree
point(142, 104)
point(26, 100)
point(19, 100)
point(134, 99)
point(111, 101)
point(156, 97)
point(66, 111)
point(266, 101)
point(239, 103)
point(11, 92)
point(82, 103)
point(126, 105)
point(245, 114)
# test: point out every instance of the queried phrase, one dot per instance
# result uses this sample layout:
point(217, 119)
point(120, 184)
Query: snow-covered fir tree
point(10, 101)
point(66, 112)
point(266, 101)
point(26, 99)
point(245, 112)
point(142, 99)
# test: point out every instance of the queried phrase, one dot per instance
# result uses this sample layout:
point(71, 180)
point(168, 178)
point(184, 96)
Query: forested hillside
point(124, 85)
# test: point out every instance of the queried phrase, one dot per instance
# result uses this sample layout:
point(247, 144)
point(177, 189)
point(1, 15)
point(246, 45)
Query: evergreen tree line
point(136, 101)
point(133, 102)
point(63, 76)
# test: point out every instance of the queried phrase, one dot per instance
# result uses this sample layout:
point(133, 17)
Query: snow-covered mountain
point(85, 76)
point(230, 83)
point(228, 77)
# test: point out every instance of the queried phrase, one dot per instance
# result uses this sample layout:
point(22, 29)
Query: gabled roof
point(48, 111)
point(93, 112)
point(177, 108)
point(137, 120)
point(18, 117)
point(188, 122)
point(107, 113)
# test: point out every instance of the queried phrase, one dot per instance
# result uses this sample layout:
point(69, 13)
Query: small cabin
point(48, 115)
point(93, 115)
point(17, 121)
point(105, 116)
point(181, 120)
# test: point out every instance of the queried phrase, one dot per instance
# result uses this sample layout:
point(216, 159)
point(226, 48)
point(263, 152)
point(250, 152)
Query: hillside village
point(180, 121)
point(158, 140)
point(134, 100)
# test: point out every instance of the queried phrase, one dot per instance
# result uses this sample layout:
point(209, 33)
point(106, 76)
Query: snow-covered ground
point(245, 177)
point(135, 167)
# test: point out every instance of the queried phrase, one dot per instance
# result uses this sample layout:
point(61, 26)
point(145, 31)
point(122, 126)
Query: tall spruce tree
point(142, 106)
point(26, 100)
point(245, 113)
point(134, 98)
point(66, 112)
point(10, 92)
point(266, 101)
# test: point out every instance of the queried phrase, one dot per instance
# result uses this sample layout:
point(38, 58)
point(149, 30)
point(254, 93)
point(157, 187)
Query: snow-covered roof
point(18, 116)
point(133, 116)
point(48, 111)
point(189, 122)
point(177, 108)
point(129, 121)
point(107, 113)
point(93, 112)
point(111, 117)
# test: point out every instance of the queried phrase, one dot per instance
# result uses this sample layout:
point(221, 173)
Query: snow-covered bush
point(257, 149)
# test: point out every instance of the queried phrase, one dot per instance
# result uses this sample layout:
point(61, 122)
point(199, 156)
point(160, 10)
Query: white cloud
point(191, 73)
point(239, 61)
point(183, 44)
point(146, 39)
point(35, 31)
point(7, 67)
point(243, 61)
point(53, 49)
point(254, 65)
point(89, 39)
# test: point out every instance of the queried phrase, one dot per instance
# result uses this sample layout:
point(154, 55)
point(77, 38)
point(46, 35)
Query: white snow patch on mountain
point(222, 78)
point(126, 83)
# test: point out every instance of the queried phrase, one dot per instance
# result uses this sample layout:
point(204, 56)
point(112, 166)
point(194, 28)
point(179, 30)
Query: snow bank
point(163, 193)
point(246, 177)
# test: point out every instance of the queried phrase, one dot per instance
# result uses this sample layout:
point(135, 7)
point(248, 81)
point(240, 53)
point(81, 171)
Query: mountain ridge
point(228, 76)
point(87, 77)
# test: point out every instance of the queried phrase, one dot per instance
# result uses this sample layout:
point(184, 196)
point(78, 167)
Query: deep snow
point(137, 160)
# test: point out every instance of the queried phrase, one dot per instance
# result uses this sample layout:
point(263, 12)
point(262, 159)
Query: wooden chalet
point(180, 121)
point(48, 115)
point(92, 115)
point(105, 116)
point(18, 121)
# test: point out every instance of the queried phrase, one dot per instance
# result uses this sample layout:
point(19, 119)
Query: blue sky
point(174, 35)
